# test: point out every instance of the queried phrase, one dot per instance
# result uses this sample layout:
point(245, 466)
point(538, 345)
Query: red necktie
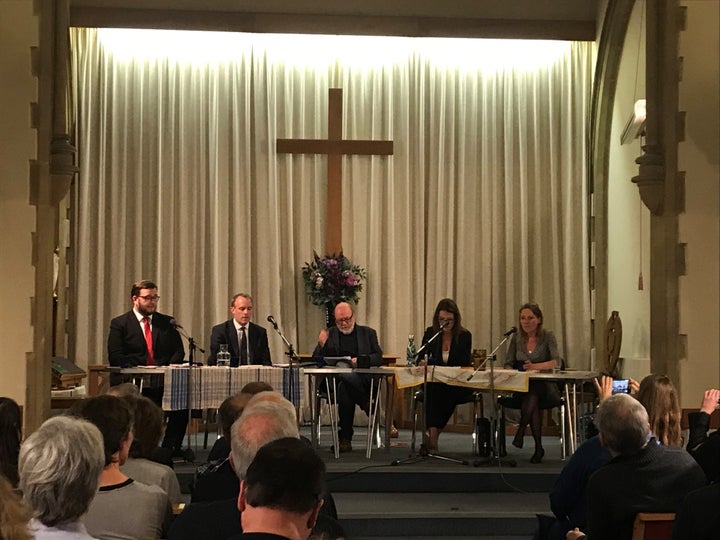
point(148, 341)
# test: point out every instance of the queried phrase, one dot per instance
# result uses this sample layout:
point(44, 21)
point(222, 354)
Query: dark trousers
point(441, 400)
point(353, 389)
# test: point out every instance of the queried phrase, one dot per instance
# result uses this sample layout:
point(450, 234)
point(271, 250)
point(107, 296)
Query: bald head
point(262, 421)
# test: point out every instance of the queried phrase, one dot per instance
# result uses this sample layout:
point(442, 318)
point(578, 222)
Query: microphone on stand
point(174, 323)
point(443, 324)
point(271, 320)
point(510, 332)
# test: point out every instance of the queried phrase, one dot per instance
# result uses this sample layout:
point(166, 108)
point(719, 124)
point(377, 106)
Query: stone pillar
point(50, 176)
point(657, 181)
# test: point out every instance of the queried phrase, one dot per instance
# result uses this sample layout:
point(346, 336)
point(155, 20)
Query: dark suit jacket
point(219, 484)
point(460, 348)
point(225, 333)
point(698, 517)
point(126, 342)
point(366, 339)
point(655, 479)
point(703, 447)
point(220, 520)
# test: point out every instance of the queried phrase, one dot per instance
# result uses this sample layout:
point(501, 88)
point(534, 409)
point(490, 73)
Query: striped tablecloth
point(212, 384)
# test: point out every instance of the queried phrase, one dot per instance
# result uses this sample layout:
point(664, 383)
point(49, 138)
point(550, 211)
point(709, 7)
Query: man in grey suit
point(349, 339)
point(247, 342)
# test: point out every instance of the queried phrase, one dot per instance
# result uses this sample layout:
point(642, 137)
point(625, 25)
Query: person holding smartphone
point(703, 447)
point(659, 396)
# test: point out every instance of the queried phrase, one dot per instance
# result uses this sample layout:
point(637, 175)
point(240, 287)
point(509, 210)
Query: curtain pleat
point(484, 199)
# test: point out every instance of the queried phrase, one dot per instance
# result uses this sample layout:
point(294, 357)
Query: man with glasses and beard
point(355, 341)
point(145, 337)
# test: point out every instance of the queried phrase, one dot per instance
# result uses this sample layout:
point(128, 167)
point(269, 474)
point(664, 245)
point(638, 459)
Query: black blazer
point(655, 479)
point(367, 344)
point(126, 341)
point(225, 333)
point(460, 348)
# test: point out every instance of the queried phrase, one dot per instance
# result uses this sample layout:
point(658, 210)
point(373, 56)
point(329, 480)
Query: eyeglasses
point(345, 320)
point(150, 298)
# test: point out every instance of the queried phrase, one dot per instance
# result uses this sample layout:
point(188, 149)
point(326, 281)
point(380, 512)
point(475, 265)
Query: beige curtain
point(484, 200)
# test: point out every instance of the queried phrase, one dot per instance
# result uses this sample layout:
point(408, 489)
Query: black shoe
point(518, 439)
point(538, 455)
point(344, 446)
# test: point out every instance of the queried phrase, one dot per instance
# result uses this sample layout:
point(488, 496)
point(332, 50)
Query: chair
point(322, 393)
point(478, 415)
point(653, 526)
point(210, 418)
point(515, 402)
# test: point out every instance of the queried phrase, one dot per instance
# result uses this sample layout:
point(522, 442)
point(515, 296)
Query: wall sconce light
point(636, 124)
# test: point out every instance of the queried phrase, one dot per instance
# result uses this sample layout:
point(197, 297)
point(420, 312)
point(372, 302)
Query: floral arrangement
point(332, 279)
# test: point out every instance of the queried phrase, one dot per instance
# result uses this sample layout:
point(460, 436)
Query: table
point(571, 380)
point(505, 380)
point(377, 375)
point(210, 385)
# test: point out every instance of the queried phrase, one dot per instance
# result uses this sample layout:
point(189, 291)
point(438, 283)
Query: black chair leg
point(502, 448)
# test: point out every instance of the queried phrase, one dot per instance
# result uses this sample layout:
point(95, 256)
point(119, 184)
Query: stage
point(431, 498)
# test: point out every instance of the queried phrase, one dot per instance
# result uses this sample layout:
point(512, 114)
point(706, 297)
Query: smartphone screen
point(621, 386)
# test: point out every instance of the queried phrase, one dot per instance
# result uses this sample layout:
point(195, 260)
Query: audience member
point(130, 391)
point(124, 390)
point(221, 519)
point(145, 337)
point(267, 417)
point(658, 395)
point(535, 349)
point(643, 476)
point(703, 447)
point(567, 498)
point(452, 348)
point(14, 515)
point(698, 517)
point(354, 341)
point(216, 480)
point(149, 506)
point(60, 466)
point(281, 494)
point(10, 436)
point(148, 428)
point(229, 411)
point(247, 342)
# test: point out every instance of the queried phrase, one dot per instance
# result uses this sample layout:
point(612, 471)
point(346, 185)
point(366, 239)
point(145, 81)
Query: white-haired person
point(59, 468)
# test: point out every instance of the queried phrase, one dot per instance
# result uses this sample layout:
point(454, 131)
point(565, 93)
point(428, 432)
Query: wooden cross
point(334, 147)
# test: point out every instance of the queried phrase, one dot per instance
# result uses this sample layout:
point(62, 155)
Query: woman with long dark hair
point(452, 348)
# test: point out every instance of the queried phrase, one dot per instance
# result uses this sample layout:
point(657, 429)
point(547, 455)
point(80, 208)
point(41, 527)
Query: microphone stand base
point(424, 455)
point(494, 461)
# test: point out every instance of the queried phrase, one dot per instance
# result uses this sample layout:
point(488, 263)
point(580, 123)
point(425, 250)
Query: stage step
point(429, 498)
point(428, 515)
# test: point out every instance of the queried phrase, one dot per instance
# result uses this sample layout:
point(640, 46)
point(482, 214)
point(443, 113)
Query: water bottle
point(410, 353)
point(223, 356)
